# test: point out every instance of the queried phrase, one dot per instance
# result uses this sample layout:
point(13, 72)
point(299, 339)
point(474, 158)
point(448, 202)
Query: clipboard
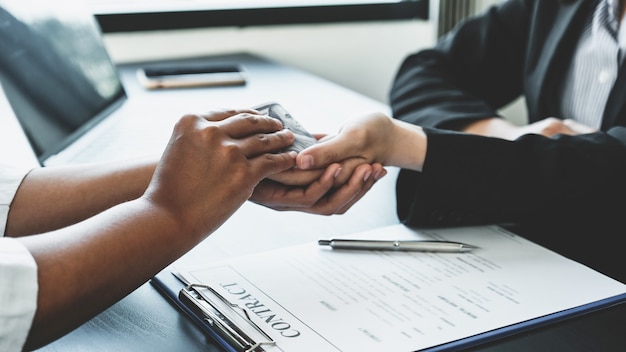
point(256, 281)
point(200, 303)
point(173, 288)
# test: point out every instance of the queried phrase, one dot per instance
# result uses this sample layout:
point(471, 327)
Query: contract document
point(356, 300)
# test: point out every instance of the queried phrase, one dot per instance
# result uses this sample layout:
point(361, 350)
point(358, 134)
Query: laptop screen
point(55, 71)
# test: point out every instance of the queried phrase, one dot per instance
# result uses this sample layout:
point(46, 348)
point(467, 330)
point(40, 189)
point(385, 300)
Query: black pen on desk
point(394, 245)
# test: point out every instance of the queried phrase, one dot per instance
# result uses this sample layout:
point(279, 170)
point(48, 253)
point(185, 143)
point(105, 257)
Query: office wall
point(363, 56)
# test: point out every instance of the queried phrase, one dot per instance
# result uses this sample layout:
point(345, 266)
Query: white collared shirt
point(18, 273)
point(595, 65)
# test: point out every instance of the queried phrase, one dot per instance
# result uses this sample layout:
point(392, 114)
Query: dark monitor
point(55, 71)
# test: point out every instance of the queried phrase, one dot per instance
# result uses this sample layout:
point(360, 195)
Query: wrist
point(491, 127)
point(409, 144)
point(168, 221)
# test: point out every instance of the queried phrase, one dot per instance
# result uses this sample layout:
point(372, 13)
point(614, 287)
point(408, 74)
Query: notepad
point(398, 301)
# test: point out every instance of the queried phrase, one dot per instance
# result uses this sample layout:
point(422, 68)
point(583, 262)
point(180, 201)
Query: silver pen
point(394, 245)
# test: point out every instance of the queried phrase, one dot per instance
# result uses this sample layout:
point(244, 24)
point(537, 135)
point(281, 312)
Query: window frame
point(189, 19)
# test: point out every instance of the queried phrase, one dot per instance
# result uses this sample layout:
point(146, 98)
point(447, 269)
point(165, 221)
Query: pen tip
point(323, 242)
point(468, 247)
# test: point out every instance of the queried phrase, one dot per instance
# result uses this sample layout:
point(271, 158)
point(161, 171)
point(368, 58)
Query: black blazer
point(564, 189)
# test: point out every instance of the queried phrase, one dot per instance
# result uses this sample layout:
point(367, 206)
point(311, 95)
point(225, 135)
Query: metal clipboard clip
point(208, 311)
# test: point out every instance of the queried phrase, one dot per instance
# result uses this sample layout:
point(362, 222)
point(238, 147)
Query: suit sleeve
point(471, 73)
point(469, 180)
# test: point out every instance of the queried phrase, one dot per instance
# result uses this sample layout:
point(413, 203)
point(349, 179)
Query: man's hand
point(213, 162)
point(320, 196)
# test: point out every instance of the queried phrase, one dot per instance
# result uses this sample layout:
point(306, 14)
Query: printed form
point(342, 300)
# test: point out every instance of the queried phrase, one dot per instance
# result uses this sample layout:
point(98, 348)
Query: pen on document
point(416, 246)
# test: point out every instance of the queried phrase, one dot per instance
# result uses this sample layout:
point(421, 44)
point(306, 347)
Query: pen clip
point(202, 305)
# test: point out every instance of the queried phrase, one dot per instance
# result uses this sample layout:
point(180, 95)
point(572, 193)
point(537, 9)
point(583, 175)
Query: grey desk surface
point(145, 321)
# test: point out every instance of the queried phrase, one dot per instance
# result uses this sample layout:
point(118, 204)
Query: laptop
point(59, 79)
point(16, 149)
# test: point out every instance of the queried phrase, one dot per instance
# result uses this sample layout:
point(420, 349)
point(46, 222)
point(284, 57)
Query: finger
point(347, 169)
point(314, 191)
point(269, 164)
point(342, 198)
point(564, 129)
point(298, 198)
point(247, 124)
point(551, 126)
point(378, 172)
point(297, 177)
point(221, 114)
point(320, 136)
point(578, 128)
point(262, 143)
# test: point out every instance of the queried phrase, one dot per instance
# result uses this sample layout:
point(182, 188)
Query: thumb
point(329, 150)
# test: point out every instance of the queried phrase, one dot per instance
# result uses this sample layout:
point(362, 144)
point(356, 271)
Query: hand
point(212, 164)
point(551, 126)
point(361, 141)
point(209, 168)
point(372, 139)
point(320, 197)
point(292, 176)
point(298, 177)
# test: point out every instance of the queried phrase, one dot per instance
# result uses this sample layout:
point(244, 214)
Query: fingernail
point(367, 176)
point(380, 174)
point(338, 172)
point(307, 162)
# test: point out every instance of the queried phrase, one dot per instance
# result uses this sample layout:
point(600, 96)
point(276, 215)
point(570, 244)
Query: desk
point(145, 321)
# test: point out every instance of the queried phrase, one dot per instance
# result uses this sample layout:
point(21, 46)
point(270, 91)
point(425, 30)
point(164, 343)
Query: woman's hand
point(372, 139)
point(551, 126)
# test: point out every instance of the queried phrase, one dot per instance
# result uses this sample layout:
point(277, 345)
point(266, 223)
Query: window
point(138, 15)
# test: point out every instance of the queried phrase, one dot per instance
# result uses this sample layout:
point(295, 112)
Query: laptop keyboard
point(127, 135)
